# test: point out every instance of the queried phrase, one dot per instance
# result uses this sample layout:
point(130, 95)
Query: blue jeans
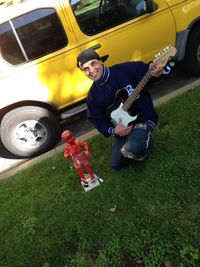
point(138, 142)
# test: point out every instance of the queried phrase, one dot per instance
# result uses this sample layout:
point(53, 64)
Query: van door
point(123, 28)
point(38, 50)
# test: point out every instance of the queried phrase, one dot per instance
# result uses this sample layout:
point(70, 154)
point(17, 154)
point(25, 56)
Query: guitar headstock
point(165, 55)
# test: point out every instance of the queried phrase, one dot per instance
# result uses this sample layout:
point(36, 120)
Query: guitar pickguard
point(115, 112)
point(120, 114)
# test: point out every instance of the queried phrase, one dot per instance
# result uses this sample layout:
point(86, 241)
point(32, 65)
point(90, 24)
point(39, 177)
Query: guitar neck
point(134, 95)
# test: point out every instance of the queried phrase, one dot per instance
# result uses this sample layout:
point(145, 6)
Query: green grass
point(46, 218)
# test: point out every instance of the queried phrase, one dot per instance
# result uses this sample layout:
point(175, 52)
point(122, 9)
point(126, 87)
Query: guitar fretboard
point(134, 95)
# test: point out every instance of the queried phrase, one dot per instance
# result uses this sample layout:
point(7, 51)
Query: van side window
point(99, 15)
point(33, 35)
point(9, 47)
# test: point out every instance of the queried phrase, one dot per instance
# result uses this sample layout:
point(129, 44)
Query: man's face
point(93, 69)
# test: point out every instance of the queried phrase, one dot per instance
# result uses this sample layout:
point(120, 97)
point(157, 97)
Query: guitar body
point(120, 114)
point(115, 112)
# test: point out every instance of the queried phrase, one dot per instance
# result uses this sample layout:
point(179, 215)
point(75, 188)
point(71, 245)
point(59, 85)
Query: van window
point(31, 36)
point(9, 47)
point(98, 15)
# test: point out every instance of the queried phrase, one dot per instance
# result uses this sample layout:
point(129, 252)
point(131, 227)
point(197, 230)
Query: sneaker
point(139, 158)
point(127, 154)
point(130, 155)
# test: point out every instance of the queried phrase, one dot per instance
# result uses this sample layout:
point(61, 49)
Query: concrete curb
point(90, 134)
point(177, 92)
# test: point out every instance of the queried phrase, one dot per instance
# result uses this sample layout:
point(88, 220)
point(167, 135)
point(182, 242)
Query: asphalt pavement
point(161, 91)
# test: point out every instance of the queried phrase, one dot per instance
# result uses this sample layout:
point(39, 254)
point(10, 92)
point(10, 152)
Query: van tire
point(29, 131)
point(192, 55)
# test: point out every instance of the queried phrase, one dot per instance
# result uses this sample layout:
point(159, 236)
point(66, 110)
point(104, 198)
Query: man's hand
point(121, 130)
point(155, 69)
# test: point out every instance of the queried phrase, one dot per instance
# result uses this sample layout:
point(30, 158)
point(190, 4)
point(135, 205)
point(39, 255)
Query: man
point(132, 142)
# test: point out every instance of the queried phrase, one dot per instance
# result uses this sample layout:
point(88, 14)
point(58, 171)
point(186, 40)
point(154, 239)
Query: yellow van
point(39, 43)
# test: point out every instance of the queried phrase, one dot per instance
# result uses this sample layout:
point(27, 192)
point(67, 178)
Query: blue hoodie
point(102, 94)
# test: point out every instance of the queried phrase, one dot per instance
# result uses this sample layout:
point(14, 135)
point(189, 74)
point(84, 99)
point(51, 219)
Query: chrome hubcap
point(30, 133)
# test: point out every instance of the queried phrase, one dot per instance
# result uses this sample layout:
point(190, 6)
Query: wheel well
point(47, 106)
point(195, 24)
point(183, 37)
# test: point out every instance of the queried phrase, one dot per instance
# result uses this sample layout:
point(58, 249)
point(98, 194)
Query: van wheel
point(192, 55)
point(29, 131)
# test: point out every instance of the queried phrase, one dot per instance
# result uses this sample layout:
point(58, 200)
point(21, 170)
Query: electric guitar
point(121, 112)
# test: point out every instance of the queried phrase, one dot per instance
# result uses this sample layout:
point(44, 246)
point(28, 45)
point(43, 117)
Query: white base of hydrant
point(91, 183)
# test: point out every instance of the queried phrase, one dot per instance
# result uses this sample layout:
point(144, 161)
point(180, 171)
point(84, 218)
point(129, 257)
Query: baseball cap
point(87, 55)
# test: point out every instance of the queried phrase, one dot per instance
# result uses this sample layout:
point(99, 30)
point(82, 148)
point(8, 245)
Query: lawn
point(145, 216)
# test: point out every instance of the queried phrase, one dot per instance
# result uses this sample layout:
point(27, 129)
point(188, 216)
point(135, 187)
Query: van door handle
point(95, 46)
